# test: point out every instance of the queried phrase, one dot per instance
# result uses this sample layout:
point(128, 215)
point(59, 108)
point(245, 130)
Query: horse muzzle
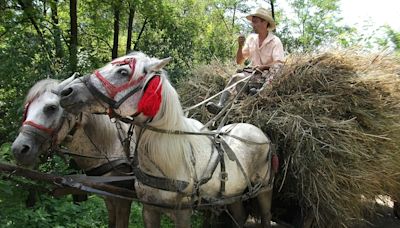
point(25, 150)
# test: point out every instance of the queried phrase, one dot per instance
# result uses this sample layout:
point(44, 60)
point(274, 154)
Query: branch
point(140, 34)
point(94, 35)
point(222, 17)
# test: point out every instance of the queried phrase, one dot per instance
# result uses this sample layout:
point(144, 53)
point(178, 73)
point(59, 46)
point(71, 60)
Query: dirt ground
point(383, 218)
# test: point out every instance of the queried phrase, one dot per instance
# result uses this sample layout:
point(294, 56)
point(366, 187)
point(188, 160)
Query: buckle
point(223, 176)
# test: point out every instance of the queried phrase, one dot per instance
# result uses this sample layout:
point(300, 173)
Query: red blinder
point(150, 102)
point(275, 163)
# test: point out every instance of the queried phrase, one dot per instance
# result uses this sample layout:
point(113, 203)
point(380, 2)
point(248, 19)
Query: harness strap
point(223, 175)
point(107, 167)
point(97, 93)
point(111, 102)
point(98, 179)
point(38, 126)
point(30, 130)
point(162, 183)
point(232, 156)
point(127, 141)
point(211, 165)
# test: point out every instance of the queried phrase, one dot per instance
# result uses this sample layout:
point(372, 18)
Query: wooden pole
point(58, 180)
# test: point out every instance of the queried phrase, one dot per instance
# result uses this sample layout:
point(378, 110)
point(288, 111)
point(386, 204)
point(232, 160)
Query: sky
point(379, 12)
point(358, 13)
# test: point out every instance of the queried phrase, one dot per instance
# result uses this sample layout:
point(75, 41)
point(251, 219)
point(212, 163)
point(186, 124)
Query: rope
point(215, 95)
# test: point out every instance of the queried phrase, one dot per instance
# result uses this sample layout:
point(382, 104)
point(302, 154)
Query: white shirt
point(271, 50)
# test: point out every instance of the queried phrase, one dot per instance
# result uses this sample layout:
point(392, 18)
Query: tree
point(117, 11)
point(56, 29)
point(315, 23)
point(131, 7)
point(394, 38)
point(73, 41)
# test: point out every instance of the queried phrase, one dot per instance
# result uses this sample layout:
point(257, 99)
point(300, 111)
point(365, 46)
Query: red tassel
point(150, 102)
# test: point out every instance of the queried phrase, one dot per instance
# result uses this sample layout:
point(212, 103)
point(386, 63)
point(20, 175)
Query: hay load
point(335, 120)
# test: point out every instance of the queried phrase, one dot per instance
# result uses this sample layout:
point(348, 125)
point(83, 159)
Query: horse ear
point(157, 65)
point(62, 84)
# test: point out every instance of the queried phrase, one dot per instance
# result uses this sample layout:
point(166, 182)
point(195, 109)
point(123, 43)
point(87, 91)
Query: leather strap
point(162, 183)
point(107, 167)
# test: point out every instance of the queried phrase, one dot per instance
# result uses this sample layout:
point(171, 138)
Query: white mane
point(168, 150)
point(41, 87)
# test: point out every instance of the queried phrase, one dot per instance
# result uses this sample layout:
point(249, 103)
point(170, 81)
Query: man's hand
point(241, 40)
point(261, 67)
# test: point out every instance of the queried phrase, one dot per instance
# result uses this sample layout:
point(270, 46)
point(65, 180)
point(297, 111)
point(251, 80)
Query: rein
point(106, 167)
point(179, 132)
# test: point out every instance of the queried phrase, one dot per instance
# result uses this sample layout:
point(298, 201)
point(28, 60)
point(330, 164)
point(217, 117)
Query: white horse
point(174, 148)
point(92, 139)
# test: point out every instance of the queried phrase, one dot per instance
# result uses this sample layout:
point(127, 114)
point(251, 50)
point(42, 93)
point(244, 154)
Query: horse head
point(127, 86)
point(41, 123)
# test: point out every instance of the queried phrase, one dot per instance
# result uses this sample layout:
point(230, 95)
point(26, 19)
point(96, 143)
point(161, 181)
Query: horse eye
point(123, 72)
point(50, 108)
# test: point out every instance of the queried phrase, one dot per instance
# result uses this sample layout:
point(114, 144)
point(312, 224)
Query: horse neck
point(97, 137)
point(174, 154)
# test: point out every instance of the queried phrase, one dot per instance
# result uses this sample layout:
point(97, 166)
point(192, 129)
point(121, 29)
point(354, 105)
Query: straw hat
point(264, 14)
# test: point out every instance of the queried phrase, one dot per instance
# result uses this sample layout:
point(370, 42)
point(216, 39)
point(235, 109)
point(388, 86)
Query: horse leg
point(264, 201)
point(111, 212)
point(151, 216)
point(123, 210)
point(182, 218)
point(238, 213)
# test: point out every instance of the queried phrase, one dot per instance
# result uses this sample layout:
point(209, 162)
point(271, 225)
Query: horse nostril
point(66, 92)
point(25, 149)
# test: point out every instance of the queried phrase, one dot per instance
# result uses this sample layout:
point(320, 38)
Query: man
point(263, 49)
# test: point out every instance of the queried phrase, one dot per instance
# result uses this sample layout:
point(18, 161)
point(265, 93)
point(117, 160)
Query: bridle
point(39, 131)
point(113, 90)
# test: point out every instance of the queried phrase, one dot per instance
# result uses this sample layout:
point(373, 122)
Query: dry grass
point(334, 118)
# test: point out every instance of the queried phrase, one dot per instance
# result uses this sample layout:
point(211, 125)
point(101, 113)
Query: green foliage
point(315, 24)
point(50, 212)
point(394, 38)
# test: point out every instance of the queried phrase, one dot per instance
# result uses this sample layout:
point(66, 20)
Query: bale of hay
point(334, 118)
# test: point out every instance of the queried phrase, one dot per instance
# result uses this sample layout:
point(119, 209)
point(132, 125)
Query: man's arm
point(239, 54)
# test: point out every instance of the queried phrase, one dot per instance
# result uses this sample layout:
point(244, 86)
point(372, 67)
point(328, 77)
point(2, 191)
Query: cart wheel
point(31, 199)
point(396, 209)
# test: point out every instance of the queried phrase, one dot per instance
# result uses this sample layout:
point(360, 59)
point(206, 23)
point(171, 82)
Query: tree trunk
point(56, 29)
point(44, 8)
point(116, 32)
point(272, 9)
point(73, 47)
point(234, 15)
point(130, 25)
point(27, 7)
point(140, 34)
point(29, 11)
